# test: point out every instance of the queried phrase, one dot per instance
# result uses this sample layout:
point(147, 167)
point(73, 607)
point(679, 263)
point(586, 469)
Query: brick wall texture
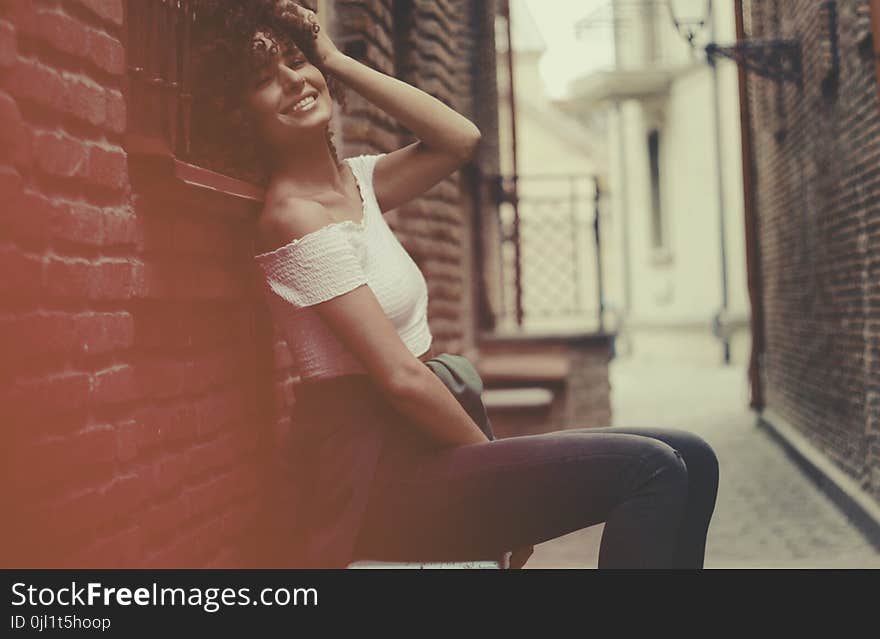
point(817, 165)
point(144, 394)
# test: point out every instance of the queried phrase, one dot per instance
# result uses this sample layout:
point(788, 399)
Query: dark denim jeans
point(655, 490)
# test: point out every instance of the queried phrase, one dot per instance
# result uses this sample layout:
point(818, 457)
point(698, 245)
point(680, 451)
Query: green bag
point(465, 384)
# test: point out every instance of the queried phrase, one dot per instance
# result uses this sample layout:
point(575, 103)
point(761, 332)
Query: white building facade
point(677, 267)
point(559, 161)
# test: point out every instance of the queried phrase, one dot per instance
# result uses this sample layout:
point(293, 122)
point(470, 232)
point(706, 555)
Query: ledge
point(530, 358)
point(207, 179)
point(524, 367)
point(517, 399)
point(555, 338)
point(625, 84)
point(153, 166)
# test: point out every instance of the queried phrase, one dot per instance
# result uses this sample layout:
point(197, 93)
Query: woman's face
point(287, 96)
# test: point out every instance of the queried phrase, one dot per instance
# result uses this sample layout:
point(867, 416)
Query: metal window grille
point(159, 68)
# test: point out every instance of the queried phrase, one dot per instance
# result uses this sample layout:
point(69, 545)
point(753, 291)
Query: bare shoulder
point(287, 218)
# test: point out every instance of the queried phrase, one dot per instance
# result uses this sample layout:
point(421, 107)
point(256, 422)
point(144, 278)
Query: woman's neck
point(312, 170)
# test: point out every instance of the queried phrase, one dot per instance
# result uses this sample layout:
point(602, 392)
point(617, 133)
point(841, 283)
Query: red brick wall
point(145, 393)
point(817, 154)
point(134, 426)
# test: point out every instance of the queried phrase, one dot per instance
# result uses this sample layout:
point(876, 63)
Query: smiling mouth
point(302, 105)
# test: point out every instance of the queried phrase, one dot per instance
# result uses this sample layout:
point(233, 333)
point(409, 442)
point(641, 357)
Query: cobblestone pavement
point(768, 512)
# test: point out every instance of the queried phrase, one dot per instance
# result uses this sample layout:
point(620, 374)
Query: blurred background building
point(676, 251)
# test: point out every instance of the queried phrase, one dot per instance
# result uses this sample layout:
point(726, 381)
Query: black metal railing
point(551, 250)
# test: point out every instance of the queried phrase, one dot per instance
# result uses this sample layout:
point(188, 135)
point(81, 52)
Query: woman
point(391, 466)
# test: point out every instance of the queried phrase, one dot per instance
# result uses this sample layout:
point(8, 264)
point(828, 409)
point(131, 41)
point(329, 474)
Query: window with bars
point(159, 99)
point(162, 110)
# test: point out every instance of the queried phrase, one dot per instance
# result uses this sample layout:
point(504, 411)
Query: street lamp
point(689, 17)
point(776, 58)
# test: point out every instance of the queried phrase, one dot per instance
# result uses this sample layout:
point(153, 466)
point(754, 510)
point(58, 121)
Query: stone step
point(500, 399)
point(518, 411)
point(523, 369)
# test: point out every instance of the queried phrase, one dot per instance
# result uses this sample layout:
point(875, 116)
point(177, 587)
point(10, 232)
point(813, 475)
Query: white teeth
point(302, 103)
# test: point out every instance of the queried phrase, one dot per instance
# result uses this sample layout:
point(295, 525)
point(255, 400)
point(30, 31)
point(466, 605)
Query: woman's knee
point(705, 466)
point(697, 452)
point(662, 459)
point(700, 454)
point(707, 455)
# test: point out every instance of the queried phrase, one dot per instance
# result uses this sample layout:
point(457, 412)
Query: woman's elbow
point(406, 382)
point(471, 143)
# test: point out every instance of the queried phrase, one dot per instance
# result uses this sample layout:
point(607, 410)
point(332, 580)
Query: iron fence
point(551, 252)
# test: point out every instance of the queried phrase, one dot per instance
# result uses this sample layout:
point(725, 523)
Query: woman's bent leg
point(703, 477)
point(476, 501)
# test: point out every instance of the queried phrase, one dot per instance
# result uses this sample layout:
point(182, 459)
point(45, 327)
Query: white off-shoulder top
point(333, 260)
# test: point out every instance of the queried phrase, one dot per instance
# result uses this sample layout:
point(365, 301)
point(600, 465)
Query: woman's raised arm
point(436, 125)
point(446, 139)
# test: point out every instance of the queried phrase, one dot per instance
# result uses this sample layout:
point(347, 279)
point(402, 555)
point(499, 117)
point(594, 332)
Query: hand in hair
point(323, 45)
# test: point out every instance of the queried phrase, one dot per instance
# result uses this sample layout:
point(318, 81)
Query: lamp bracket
point(775, 59)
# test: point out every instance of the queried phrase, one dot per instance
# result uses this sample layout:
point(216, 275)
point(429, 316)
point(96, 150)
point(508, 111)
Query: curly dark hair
point(224, 59)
